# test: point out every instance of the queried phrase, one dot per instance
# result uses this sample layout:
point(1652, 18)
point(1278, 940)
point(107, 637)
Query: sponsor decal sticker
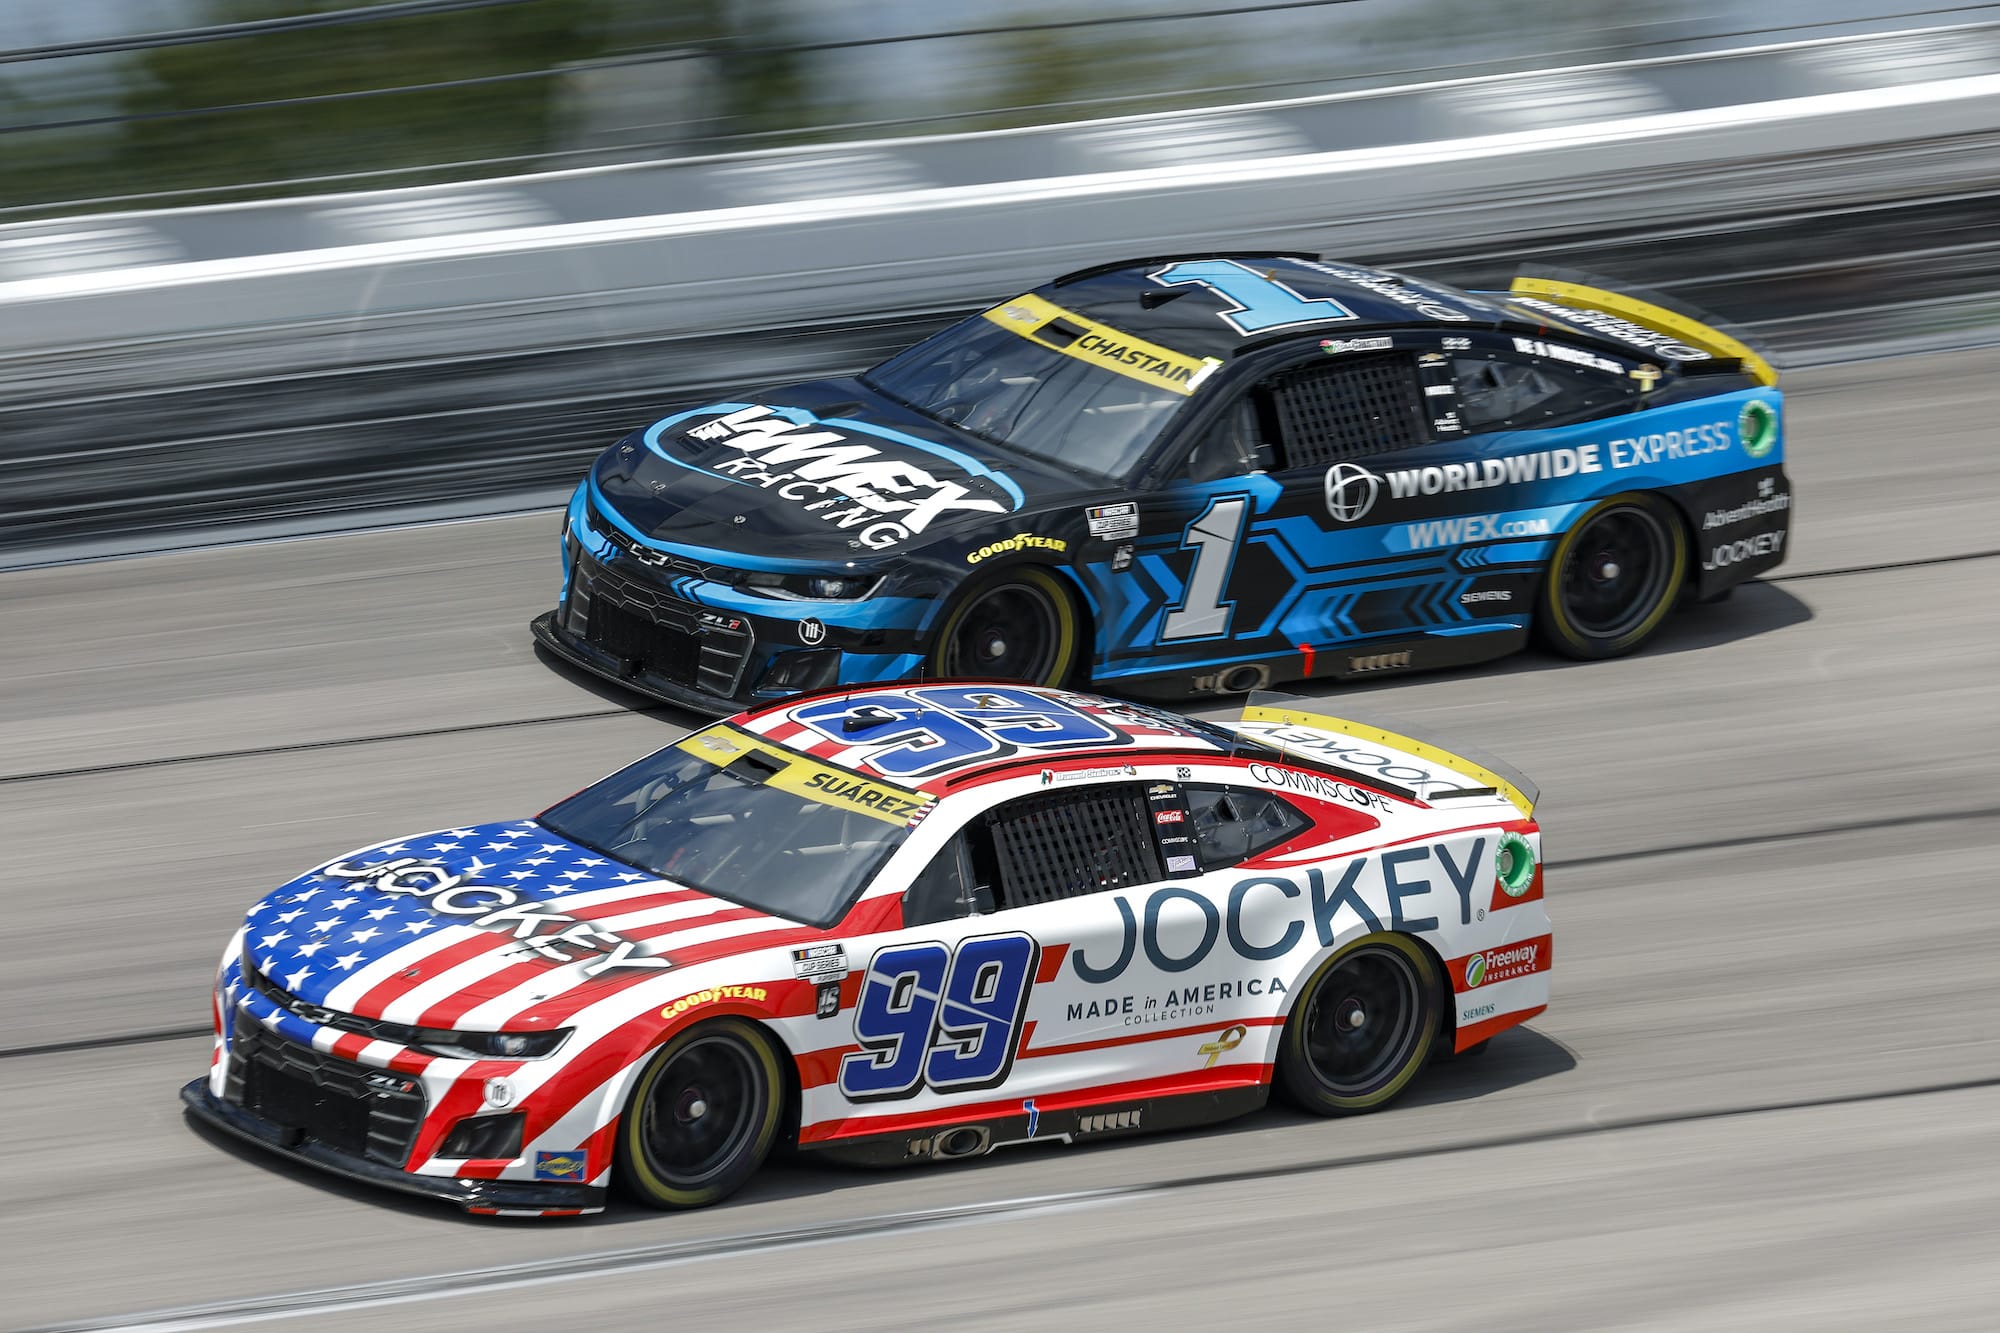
point(1317, 784)
point(1020, 541)
point(1049, 325)
point(826, 1001)
point(878, 489)
point(710, 996)
point(1749, 548)
point(812, 631)
point(1574, 356)
point(1494, 965)
point(1474, 528)
point(1231, 1038)
point(540, 927)
point(1113, 522)
point(1769, 500)
point(819, 960)
point(1488, 595)
point(1350, 492)
point(1334, 345)
point(1169, 816)
point(568, 1166)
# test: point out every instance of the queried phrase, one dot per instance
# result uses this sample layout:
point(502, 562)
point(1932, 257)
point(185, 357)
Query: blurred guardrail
point(461, 348)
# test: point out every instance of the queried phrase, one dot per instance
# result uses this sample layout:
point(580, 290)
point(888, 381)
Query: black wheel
point(1362, 1027)
point(1613, 578)
point(702, 1116)
point(1021, 626)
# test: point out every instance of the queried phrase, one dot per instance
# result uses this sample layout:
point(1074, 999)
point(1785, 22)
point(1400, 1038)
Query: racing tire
point(1022, 625)
point(1613, 578)
point(702, 1117)
point(1363, 1026)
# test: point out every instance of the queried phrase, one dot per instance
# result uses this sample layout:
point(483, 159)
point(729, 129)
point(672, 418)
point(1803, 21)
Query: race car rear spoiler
point(1397, 756)
point(1587, 301)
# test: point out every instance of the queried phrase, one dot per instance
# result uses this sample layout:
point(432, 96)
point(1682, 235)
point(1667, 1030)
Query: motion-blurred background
point(279, 265)
point(126, 102)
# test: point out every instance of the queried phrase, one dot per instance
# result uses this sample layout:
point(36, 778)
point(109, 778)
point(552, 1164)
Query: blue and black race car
point(1190, 474)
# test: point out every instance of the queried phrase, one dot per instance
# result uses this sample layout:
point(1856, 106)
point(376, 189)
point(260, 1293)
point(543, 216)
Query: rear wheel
point(702, 1117)
point(1613, 578)
point(1022, 626)
point(1362, 1027)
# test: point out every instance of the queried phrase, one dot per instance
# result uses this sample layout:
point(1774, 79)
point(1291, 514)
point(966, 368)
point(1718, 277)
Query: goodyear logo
point(1020, 541)
point(570, 1166)
point(710, 996)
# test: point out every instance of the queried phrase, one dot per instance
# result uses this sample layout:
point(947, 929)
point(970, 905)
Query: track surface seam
point(469, 728)
point(484, 1281)
point(1579, 862)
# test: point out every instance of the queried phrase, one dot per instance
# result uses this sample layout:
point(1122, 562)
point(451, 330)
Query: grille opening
point(1356, 406)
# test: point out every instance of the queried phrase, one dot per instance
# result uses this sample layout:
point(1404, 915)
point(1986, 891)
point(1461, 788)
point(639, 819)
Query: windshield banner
point(1060, 330)
point(804, 776)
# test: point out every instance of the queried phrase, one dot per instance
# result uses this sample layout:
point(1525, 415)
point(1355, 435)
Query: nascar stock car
point(887, 925)
point(1201, 475)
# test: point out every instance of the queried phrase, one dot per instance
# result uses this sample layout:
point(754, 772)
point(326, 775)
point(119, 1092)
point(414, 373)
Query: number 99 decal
point(929, 1018)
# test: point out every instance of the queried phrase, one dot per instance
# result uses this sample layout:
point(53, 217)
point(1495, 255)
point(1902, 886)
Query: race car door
point(1072, 940)
point(1257, 546)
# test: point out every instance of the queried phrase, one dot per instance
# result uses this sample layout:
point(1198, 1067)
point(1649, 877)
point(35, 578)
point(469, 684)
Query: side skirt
point(951, 1140)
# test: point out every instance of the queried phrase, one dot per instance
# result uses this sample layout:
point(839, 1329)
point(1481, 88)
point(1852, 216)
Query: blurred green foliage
point(520, 85)
point(466, 86)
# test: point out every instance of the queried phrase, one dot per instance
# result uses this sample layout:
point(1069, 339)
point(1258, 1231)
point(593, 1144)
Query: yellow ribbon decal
point(1231, 1038)
point(1049, 325)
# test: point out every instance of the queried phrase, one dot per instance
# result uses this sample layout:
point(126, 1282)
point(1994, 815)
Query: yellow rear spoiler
point(1658, 318)
point(1509, 783)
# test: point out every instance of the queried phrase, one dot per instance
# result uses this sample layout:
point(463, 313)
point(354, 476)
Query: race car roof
point(1214, 305)
point(923, 736)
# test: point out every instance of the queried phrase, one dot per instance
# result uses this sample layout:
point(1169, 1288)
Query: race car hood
point(829, 472)
point(507, 904)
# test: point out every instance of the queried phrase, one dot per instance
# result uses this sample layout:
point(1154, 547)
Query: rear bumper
point(504, 1197)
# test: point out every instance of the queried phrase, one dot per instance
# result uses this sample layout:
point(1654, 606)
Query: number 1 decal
point(928, 1017)
point(1214, 538)
point(1261, 303)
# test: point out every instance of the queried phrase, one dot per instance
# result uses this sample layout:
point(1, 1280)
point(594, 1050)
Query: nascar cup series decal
point(858, 477)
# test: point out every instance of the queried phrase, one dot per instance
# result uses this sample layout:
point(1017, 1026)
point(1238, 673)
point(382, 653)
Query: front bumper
point(651, 684)
point(505, 1197)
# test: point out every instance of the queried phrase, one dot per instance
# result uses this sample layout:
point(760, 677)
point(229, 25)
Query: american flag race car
point(1198, 474)
point(887, 924)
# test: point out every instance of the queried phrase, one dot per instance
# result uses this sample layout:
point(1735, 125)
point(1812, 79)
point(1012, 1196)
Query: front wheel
point(1362, 1028)
point(1022, 626)
point(1613, 578)
point(702, 1117)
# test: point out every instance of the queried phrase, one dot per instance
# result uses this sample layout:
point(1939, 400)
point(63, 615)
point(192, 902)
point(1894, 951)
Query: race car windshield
point(1083, 405)
point(752, 823)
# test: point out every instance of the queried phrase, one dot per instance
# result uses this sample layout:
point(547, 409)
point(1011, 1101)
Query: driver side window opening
point(1348, 408)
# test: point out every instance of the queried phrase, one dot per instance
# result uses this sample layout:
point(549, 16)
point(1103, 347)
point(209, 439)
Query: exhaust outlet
point(965, 1141)
point(1244, 679)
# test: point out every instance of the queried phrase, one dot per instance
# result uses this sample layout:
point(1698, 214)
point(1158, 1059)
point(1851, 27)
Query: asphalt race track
point(1767, 1094)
